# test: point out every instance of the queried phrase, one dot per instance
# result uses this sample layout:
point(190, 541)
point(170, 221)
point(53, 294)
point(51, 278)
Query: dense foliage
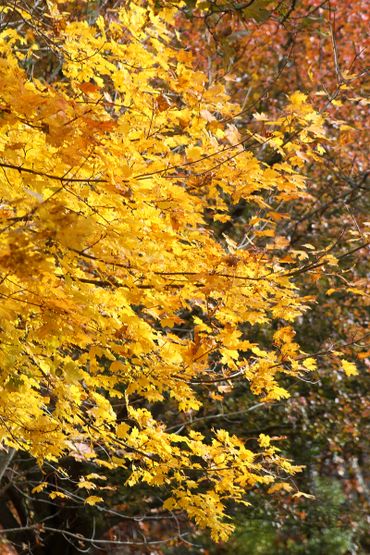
point(183, 262)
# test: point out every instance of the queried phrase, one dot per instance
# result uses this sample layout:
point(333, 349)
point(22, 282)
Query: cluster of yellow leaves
point(108, 179)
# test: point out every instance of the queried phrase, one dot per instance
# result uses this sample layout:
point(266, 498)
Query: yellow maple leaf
point(93, 500)
point(349, 368)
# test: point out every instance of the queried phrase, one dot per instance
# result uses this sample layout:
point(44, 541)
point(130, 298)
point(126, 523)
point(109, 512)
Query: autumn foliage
point(127, 304)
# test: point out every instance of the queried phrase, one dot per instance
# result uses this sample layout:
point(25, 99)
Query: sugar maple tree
point(122, 308)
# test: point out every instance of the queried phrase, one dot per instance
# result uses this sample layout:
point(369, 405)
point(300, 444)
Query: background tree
point(321, 49)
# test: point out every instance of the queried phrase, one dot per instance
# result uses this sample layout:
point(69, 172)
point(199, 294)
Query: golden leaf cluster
point(112, 176)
